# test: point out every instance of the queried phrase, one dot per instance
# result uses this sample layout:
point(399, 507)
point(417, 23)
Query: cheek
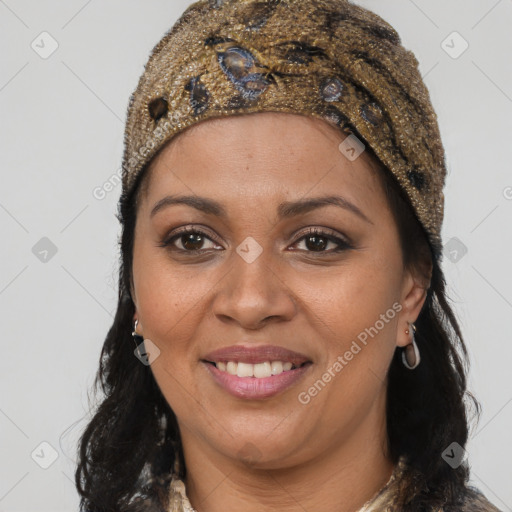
point(356, 312)
point(358, 329)
point(350, 299)
point(168, 302)
point(169, 305)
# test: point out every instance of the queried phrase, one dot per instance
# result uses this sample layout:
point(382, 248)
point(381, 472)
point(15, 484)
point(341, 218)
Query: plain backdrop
point(61, 136)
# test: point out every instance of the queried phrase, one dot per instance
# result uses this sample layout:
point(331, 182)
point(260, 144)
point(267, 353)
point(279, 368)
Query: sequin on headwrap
point(327, 59)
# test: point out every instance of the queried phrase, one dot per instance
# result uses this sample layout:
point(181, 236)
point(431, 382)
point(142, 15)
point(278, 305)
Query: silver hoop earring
point(136, 336)
point(410, 351)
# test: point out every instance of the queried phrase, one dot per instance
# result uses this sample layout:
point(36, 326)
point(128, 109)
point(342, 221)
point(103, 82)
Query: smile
point(258, 371)
point(255, 372)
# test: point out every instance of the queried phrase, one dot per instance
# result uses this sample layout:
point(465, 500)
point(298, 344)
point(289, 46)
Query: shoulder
point(472, 499)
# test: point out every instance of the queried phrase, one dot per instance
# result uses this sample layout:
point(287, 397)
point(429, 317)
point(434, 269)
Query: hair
point(129, 448)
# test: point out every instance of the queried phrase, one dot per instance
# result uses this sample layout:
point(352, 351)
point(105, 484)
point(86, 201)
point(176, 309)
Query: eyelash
point(342, 244)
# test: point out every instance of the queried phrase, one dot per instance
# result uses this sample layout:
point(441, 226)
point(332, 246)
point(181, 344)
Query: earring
point(411, 351)
point(136, 336)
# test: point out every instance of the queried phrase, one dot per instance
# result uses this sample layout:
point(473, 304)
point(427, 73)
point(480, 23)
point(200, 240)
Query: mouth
point(256, 372)
point(259, 370)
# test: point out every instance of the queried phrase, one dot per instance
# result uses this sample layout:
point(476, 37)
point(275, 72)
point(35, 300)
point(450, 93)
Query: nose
point(254, 291)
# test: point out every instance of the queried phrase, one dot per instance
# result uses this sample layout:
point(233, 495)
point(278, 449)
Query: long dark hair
point(128, 449)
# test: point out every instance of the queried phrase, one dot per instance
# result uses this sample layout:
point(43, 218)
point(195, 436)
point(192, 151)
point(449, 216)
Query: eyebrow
point(285, 210)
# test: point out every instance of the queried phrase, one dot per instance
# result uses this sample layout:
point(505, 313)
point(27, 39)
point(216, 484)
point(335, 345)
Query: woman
point(293, 347)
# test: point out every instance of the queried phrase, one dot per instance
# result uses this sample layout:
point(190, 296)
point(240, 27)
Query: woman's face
point(253, 290)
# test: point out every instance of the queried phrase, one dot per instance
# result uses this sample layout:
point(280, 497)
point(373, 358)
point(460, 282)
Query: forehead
point(263, 154)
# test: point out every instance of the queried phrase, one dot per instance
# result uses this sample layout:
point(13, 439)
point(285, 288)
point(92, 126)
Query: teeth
point(259, 370)
point(262, 370)
point(276, 367)
point(245, 370)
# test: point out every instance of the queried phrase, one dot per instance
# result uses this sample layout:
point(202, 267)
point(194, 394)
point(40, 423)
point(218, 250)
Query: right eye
point(190, 239)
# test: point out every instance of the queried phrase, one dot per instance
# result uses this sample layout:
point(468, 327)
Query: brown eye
point(316, 240)
point(190, 239)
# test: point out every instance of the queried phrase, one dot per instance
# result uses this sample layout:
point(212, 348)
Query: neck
point(342, 478)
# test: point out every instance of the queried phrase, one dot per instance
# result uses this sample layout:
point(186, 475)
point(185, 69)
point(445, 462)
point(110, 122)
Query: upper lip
point(256, 354)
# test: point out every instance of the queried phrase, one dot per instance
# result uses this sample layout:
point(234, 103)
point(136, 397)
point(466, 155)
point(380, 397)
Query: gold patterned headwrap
point(328, 59)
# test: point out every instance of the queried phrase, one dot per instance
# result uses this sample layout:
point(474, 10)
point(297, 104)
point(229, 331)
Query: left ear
point(413, 296)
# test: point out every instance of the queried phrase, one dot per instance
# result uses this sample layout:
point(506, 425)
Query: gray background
point(61, 136)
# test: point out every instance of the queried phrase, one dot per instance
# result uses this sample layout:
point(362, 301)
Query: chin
point(262, 451)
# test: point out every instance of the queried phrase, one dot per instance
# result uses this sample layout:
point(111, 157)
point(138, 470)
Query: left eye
point(316, 238)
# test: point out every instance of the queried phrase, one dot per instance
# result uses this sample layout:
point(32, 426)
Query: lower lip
point(255, 388)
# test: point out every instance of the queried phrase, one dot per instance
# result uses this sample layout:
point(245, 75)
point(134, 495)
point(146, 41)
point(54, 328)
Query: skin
point(275, 453)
